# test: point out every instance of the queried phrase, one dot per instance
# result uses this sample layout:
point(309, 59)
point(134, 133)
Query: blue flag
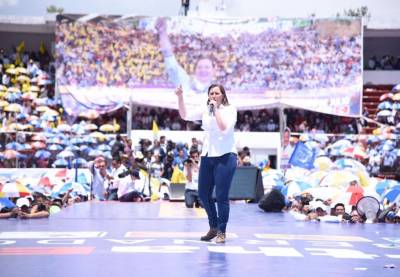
point(303, 156)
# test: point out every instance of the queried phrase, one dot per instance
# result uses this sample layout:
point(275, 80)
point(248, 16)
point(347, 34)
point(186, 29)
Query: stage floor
point(162, 239)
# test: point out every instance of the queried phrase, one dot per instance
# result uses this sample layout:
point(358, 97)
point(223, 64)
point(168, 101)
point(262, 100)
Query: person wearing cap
point(218, 158)
point(127, 191)
point(38, 209)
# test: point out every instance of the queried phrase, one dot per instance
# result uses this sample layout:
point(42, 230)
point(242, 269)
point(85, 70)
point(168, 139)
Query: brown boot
point(220, 237)
point(212, 233)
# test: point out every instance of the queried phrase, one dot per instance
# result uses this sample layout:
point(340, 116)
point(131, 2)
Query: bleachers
point(371, 95)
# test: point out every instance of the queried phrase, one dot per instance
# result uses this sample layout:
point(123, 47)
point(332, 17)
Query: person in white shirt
point(191, 171)
point(118, 176)
point(287, 150)
point(127, 191)
point(218, 158)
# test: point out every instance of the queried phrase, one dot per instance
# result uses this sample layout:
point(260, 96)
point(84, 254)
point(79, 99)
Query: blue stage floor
point(162, 239)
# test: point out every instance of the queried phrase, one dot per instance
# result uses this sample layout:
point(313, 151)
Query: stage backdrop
point(314, 64)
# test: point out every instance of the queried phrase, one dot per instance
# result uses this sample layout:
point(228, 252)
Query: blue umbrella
point(385, 106)
point(65, 154)
point(104, 147)
point(392, 194)
point(79, 161)
point(54, 147)
point(42, 154)
point(11, 97)
point(14, 146)
point(82, 189)
point(89, 139)
point(7, 203)
point(60, 163)
point(95, 152)
point(22, 116)
point(384, 185)
point(76, 141)
point(72, 148)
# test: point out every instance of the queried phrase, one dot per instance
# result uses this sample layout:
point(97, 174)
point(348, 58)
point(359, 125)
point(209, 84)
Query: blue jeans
point(216, 172)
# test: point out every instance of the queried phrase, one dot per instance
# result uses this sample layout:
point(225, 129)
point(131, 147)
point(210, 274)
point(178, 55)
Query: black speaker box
point(246, 184)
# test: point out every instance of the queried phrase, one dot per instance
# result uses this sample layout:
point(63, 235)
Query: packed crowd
point(385, 62)
point(300, 58)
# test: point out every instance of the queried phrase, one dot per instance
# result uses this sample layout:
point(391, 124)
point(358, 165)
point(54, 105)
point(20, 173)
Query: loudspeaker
point(246, 184)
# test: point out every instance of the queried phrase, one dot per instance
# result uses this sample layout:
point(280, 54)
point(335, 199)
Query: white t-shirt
point(216, 142)
point(194, 184)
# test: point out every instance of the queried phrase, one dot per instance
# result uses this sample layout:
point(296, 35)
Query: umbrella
point(91, 138)
point(79, 161)
point(65, 154)
point(42, 109)
point(54, 147)
point(385, 185)
point(7, 203)
point(54, 140)
point(90, 127)
point(21, 70)
point(385, 105)
point(14, 107)
point(38, 137)
point(72, 148)
point(23, 78)
point(95, 153)
point(396, 97)
point(14, 189)
point(324, 193)
point(107, 128)
point(293, 188)
point(42, 154)
point(38, 145)
point(11, 70)
point(34, 88)
point(386, 96)
point(64, 128)
point(344, 163)
point(323, 163)
point(76, 140)
point(60, 163)
point(29, 96)
point(90, 114)
point(78, 188)
point(14, 146)
point(3, 103)
point(104, 147)
point(339, 178)
point(357, 192)
point(392, 194)
point(48, 117)
point(384, 113)
point(10, 154)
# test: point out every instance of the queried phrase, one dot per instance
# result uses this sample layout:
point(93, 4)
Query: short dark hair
point(338, 204)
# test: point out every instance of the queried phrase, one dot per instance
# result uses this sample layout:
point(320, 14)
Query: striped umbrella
point(14, 189)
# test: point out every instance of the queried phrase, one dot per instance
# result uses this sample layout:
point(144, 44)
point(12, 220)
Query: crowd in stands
point(299, 58)
point(385, 62)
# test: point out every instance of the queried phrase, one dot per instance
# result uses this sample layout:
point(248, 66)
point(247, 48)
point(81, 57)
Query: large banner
point(313, 64)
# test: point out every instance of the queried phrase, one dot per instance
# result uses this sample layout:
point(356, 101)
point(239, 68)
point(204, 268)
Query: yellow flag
point(21, 47)
point(178, 177)
point(155, 128)
point(42, 48)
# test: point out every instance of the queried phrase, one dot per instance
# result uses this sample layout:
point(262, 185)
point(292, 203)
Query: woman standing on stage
point(218, 157)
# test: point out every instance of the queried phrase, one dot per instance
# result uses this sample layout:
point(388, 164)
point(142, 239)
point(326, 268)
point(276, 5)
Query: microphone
point(211, 109)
